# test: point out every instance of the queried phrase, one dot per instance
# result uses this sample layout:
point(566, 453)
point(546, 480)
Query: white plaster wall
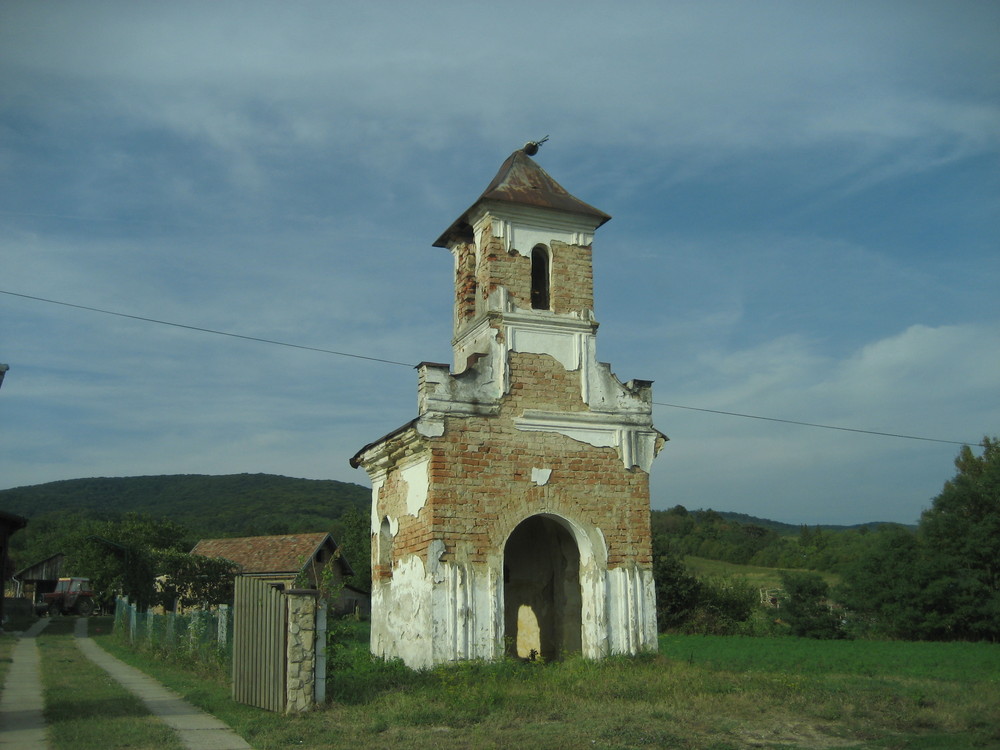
point(522, 227)
point(631, 608)
point(465, 598)
point(402, 616)
point(435, 613)
point(415, 476)
point(376, 520)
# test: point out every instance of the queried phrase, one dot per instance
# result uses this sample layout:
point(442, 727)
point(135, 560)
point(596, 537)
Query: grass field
point(758, 576)
point(697, 693)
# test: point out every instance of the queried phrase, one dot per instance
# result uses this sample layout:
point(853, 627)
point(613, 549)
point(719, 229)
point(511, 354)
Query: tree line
point(147, 558)
point(209, 506)
point(939, 581)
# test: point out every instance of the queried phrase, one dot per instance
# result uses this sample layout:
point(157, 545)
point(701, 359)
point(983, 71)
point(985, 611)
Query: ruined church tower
point(512, 515)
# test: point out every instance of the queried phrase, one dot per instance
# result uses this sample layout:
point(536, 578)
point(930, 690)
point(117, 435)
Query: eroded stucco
point(524, 430)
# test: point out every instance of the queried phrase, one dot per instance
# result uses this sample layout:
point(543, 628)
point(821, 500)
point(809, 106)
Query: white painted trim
point(522, 227)
point(634, 439)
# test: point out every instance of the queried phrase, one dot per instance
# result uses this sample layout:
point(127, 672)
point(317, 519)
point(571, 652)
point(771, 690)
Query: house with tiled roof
point(283, 558)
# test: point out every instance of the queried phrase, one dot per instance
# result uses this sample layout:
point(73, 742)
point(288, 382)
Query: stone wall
point(300, 649)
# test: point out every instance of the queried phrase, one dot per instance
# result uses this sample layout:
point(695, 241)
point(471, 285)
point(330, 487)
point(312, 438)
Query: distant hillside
point(785, 529)
point(742, 539)
point(231, 505)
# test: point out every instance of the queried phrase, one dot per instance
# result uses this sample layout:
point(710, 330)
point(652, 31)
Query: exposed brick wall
point(572, 278)
point(537, 381)
point(465, 283)
point(480, 474)
point(498, 268)
point(480, 495)
point(414, 533)
point(480, 469)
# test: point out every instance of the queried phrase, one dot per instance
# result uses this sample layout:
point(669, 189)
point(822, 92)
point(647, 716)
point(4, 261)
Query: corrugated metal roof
point(285, 553)
point(520, 180)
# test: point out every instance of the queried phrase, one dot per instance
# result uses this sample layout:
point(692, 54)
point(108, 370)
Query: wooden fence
point(278, 643)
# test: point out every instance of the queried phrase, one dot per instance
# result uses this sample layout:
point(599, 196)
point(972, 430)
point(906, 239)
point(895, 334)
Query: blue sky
point(806, 203)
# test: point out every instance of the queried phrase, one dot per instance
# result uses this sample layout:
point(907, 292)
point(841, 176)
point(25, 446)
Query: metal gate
point(259, 633)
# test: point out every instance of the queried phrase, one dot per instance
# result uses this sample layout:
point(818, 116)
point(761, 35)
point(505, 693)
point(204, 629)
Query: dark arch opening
point(540, 278)
point(542, 596)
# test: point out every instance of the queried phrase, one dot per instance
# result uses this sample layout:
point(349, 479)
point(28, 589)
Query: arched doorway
point(542, 597)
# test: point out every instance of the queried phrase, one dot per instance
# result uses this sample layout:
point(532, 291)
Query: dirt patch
point(795, 734)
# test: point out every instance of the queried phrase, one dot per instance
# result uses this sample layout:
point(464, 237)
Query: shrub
point(806, 609)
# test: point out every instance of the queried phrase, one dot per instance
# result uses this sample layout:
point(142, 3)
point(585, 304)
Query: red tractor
point(73, 596)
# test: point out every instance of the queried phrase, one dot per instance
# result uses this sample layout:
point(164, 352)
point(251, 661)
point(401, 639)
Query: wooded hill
point(208, 506)
point(746, 540)
point(260, 504)
point(248, 504)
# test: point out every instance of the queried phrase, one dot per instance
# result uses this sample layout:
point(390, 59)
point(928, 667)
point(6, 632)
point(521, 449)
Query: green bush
point(807, 609)
point(677, 591)
point(725, 605)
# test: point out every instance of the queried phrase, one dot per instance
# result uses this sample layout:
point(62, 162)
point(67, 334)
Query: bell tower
point(512, 515)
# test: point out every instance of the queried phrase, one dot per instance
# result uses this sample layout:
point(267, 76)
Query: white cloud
point(786, 178)
point(930, 382)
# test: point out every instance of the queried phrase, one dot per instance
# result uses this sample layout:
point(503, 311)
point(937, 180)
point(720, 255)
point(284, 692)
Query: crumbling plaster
point(439, 599)
point(620, 414)
point(432, 611)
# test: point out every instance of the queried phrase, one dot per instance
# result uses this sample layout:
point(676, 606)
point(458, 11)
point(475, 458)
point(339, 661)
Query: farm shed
point(39, 578)
point(283, 558)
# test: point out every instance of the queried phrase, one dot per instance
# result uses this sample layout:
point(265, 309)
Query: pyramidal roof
point(520, 180)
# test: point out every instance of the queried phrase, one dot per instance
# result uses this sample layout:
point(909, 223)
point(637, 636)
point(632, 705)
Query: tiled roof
point(287, 553)
point(520, 180)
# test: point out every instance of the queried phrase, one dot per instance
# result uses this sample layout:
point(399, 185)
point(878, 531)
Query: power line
point(407, 364)
point(208, 330)
point(814, 424)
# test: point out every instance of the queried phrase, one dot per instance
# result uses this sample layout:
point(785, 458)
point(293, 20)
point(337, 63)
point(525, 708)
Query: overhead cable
point(208, 330)
point(814, 424)
point(407, 364)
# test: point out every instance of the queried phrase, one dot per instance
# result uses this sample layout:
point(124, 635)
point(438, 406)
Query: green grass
point(977, 663)
point(85, 708)
point(758, 576)
point(699, 692)
point(7, 642)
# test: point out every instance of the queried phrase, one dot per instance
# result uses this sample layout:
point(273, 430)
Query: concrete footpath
point(22, 722)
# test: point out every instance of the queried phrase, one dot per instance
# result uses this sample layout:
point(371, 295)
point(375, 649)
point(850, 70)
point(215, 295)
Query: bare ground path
point(22, 702)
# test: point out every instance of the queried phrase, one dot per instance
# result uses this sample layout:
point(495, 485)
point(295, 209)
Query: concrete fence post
point(222, 629)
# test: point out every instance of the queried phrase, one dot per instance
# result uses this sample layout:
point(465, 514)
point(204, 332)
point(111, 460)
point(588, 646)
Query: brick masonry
point(450, 488)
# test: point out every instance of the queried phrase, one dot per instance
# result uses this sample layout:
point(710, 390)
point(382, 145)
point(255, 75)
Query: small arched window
point(385, 544)
point(540, 278)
